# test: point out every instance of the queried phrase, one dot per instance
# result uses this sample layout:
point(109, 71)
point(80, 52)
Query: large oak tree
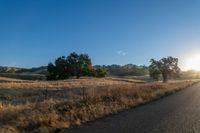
point(166, 66)
point(72, 65)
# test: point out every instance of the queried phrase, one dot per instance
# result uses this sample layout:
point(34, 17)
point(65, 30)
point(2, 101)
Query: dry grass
point(7, 83)
point(42, 106)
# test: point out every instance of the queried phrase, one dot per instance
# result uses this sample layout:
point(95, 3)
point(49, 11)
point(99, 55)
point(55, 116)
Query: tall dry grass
point(33, 106)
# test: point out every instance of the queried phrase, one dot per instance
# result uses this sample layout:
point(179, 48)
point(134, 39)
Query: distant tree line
point(190, 74)
point(35, 70)
point(125, 70)
point(74, 65)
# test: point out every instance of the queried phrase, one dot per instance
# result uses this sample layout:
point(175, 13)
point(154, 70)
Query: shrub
point(100, 72)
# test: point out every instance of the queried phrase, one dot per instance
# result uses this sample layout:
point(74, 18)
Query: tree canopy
point(72, 65)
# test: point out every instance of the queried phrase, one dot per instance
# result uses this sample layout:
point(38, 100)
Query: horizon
point(183, 70)
point(34, 33)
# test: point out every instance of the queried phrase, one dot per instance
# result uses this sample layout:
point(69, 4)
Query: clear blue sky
point(35, 32)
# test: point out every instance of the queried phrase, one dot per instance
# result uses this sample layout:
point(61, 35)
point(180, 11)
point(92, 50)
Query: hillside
point(112, 70)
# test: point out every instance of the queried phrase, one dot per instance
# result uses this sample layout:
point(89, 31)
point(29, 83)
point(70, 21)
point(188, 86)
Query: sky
point(36, 32)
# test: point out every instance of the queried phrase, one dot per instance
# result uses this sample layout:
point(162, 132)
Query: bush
point(100, 73)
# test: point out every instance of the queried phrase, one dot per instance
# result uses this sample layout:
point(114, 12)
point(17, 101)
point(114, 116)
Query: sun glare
point(193, 63)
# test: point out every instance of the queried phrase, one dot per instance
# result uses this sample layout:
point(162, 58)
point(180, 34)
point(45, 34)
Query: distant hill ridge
point(17, 70)
point(113, 70)
point(39, 73)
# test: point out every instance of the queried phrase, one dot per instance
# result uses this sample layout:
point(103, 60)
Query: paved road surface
point(177, 113)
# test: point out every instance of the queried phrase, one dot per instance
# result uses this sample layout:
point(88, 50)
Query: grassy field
point(44, 106)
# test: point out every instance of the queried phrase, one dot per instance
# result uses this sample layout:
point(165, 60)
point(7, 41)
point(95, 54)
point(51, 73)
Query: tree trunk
point(165, 77)
point(77, 75)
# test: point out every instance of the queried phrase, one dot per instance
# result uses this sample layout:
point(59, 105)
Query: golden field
point(50, 106)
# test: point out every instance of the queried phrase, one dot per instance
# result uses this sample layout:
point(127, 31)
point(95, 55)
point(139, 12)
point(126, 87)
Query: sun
point(193, 62)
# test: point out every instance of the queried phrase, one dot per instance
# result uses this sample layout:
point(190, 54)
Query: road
point(177, 113)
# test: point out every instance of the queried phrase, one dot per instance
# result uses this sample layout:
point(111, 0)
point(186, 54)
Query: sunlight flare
point(193, 62)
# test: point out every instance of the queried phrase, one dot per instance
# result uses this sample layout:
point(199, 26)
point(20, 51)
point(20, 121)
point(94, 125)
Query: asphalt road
point(177, 113)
